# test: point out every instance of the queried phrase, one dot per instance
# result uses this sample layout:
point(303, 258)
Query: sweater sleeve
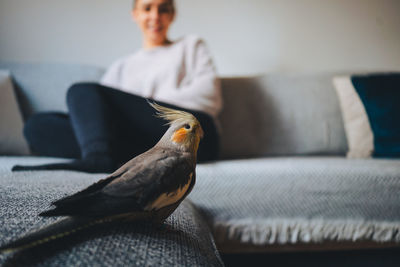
point(203, 91)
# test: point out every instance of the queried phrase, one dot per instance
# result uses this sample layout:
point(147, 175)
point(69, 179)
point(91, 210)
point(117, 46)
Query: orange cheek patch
point(179, 136)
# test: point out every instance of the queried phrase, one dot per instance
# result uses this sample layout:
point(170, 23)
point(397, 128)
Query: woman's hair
point(135, 1)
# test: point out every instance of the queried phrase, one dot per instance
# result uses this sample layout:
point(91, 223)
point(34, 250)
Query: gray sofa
point(283, 182)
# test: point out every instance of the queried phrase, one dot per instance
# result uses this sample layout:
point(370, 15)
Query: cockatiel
point(149, 187)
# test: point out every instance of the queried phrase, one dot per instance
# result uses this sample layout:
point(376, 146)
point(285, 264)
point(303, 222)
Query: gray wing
point(161, 171)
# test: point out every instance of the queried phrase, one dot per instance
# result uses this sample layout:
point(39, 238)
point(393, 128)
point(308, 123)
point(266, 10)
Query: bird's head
point(185, 130)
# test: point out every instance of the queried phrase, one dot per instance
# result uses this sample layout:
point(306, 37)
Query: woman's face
point(154, 18)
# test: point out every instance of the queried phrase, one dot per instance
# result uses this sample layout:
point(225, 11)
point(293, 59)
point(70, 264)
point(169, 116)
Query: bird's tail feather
point(59, 229)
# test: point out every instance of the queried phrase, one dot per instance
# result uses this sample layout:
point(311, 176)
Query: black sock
point(90, 165)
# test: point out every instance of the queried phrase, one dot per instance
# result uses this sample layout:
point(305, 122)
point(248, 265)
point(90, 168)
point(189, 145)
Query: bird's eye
point(187, 126)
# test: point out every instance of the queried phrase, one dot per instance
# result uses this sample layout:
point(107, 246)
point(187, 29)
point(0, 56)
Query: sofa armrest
point(187, 241)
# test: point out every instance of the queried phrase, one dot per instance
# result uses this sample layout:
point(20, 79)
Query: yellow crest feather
point(172, 115)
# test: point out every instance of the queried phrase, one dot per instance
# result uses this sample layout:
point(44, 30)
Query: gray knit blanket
point(312, 202)
point(251, 205)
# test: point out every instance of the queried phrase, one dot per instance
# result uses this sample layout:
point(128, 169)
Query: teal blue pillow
point(380, 94)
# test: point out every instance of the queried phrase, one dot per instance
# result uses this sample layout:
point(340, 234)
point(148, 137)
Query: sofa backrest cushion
point(42, 86)
point(281, 114)
point(270, 115)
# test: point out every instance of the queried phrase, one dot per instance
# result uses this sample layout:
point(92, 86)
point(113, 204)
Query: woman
point(111, 122)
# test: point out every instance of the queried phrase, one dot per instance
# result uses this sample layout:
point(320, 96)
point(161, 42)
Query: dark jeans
point(104, 120)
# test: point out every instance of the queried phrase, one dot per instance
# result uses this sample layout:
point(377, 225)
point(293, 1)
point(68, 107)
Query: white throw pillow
point(12, 141)
point(358, 130)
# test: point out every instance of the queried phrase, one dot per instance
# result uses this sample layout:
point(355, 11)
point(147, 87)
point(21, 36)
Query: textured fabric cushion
point(358, 129)
point(370, 108)
point(281, 114)
point(307, 202)
point(186, 242)
point(42, 86)
point(276, 114)
point(380, 95)
point(12, 141)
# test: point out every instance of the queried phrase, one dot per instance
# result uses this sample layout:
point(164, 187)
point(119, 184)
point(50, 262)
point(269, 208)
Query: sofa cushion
point(186, 242)
point(274, 114)
point(42, 86)
point(281, 114)
point(300, 203)
point(12, 141)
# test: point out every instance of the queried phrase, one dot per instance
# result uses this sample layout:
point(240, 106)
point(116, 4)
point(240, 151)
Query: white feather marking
point(170, 198)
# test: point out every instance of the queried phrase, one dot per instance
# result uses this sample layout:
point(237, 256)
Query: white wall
point(245, 36)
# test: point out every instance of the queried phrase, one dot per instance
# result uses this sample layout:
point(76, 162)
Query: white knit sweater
point(181, 74)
